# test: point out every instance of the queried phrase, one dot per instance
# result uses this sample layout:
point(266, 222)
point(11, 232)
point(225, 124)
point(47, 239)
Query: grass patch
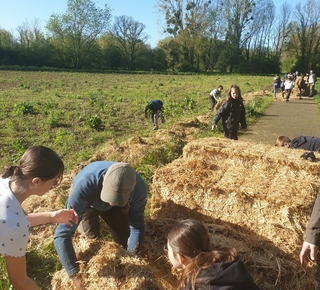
point(75, 114)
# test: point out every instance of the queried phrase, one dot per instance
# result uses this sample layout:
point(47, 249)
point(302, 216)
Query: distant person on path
point(276, 85)
point(282, 88)
point(154, 110)
point(39, 170)
point(308, 143)
point(232, 112)
point(312, 79)
point(109, 190)
point(301, 85)
point(215, 96)
point(205, 266)
point(288, 86)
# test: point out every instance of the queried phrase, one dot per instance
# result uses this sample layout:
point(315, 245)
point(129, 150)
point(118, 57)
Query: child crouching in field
point(215, 96)
point(232, 112)
point(155, 109)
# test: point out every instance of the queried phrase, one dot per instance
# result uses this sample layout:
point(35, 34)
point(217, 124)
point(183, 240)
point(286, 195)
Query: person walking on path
point(232, 113)
point(301, 85)
point(276, 85)
point(288, 86)
point(312, 79)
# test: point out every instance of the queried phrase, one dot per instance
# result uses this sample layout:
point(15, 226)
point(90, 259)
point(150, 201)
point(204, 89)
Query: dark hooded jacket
point(308, 143)
point(313, 228)
point(225, 276)
point(232, 113)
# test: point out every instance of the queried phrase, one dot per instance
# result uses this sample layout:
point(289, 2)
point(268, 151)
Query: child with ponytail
point(205, 266)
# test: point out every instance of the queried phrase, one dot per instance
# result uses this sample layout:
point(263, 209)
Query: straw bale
point(135, 149)
point(263, 191)
point(266, 263)
point(107, 265)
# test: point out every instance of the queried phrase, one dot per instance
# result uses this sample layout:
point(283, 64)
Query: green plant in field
point(83, 156)
point(42, 263)
point(36, 90)
point(94, 122)
point(23, 108)
point(189, 102)
point(26, 86)
point(49, 105)
point(20, 147)
point(92, 100)
point(60, 136)
point(52, 122)
point(160, 157)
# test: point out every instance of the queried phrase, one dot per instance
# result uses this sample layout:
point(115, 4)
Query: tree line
point(244, 36)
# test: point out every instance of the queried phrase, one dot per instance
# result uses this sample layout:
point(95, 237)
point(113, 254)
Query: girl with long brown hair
point(205, 266)
point(39, 170)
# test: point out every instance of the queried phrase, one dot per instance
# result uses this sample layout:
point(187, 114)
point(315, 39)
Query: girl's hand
point(65, 216)
point(213, 127)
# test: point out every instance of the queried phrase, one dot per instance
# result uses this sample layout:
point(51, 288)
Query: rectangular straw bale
point(221, 183)
point(267, 191)
point(270, 267)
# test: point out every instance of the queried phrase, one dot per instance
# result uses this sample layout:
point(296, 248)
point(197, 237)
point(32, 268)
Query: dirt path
point(292, 119)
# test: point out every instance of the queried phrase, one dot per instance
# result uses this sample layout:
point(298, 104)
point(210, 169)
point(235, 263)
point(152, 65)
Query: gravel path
point(292, 119)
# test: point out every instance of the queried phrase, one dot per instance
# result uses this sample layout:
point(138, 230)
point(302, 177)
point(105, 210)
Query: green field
point(77, 113)
point(63, 111)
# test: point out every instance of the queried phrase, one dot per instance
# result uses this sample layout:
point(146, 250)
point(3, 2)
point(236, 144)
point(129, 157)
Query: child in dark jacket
point(232, 112)
point(205, 266)
point(308, 143)
point(154, 109)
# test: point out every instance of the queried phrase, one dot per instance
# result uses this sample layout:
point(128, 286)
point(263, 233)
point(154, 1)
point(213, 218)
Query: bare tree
point(306, 37)
point(282, 30)
point(130, 36)
point(24, 34)
point(258, 40)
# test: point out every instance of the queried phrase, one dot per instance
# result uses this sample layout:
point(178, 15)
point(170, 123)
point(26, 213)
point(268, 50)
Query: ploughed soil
point(294, 118)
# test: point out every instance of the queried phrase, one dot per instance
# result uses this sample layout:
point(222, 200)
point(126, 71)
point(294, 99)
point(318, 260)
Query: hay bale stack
point(269, 266)
point(263, 194)
point(108, 266)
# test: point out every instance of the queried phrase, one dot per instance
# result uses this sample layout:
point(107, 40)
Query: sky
point(14, 13)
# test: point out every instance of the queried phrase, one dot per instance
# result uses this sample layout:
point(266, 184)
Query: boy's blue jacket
point(85, 192)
